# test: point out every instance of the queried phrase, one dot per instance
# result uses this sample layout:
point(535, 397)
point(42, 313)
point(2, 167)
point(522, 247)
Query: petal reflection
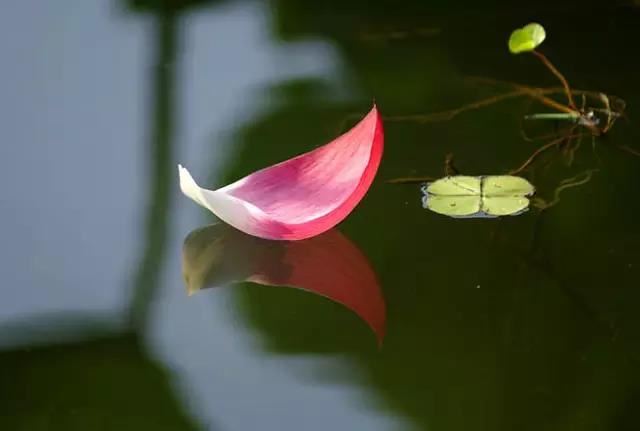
point(329, 265)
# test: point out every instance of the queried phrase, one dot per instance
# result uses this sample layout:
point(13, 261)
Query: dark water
point(518, 323)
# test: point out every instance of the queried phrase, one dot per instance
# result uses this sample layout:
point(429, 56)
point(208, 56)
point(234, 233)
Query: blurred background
point(525, 322)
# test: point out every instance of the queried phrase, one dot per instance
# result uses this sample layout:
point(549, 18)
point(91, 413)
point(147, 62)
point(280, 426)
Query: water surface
point(524, 322)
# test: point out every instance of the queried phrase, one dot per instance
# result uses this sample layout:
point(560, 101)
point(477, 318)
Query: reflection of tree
point(101, 378)
point(162, 162)
point(161, 181)
point(481, 335)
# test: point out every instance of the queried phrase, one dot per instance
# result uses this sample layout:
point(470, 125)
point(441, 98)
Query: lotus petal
point(329, 265)
point(303, 196)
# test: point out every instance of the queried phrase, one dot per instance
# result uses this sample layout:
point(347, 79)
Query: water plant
point(488, 196)
point(594, 116)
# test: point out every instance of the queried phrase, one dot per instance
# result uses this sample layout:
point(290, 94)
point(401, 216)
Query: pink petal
point(303, 196)
point(329, 265)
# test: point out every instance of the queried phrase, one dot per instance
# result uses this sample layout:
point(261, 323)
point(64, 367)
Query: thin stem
point(630, 150)
point(521, 90)
point(552, 116)
point(449, 167)
point(575, 181)
point(538, 94)
point(559, 75)
point(539, 151)
point(545, 90)
point(449, 170)
point(546, 136)
point(411, 180)
point(450, 114)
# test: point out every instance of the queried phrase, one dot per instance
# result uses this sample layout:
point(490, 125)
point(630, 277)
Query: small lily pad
point(527, 38)
point(484, 196)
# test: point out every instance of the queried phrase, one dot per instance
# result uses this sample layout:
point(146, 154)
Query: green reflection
point(105, 383)
point(526, 323)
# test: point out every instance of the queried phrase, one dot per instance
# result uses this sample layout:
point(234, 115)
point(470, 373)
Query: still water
point(516, 323)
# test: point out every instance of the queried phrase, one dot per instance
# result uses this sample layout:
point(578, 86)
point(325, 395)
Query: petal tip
point(375, 112)
point(188, 185)
point(184, 175)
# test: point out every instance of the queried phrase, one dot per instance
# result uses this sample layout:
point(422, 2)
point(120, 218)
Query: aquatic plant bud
point(527, 38)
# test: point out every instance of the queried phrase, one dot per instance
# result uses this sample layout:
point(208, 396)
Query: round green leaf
point(484, 196)
point(459, 185)
point(526, 38)
point(454, 206)
point(498, 206)
point(506, 185)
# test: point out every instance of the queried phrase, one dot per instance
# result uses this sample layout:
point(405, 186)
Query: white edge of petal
point(189, 186)
point(230, 209)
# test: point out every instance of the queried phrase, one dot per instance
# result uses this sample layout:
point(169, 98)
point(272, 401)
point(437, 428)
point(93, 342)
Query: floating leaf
point(329, 265)
point(526, 38)
point(303, 196)
point(457, 196)
point(488, 196)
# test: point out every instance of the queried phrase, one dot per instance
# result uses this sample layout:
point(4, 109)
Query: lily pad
point(483, 196)
point(527, 38)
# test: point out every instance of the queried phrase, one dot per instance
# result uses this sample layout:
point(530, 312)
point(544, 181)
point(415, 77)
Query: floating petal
point(329, 265)
point(303, 196)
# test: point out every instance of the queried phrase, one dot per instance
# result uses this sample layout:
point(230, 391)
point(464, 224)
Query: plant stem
point(559, 75)
point(539, 151)
point(450, 114)
point(630, 150)
point(411, 180)
point(553, 116)
point(520, 91)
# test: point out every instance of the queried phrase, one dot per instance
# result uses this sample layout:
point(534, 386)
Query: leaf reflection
point(328, 265)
